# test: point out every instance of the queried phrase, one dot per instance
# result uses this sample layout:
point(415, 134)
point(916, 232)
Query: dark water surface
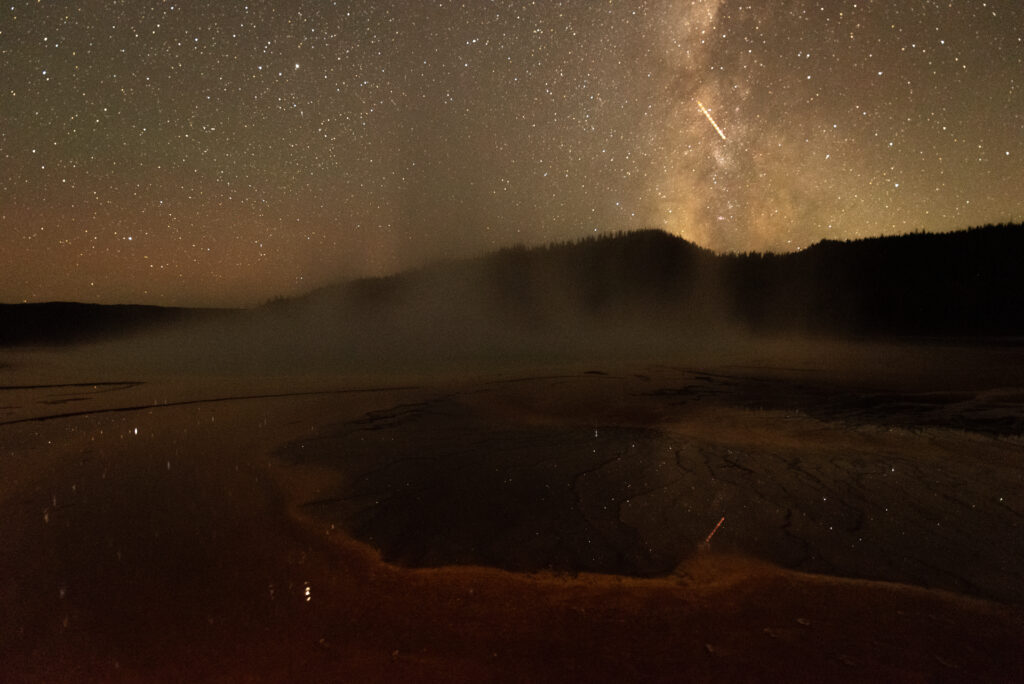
point(828, 487)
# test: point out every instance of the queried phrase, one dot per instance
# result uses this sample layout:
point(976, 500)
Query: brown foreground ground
point(158, 529)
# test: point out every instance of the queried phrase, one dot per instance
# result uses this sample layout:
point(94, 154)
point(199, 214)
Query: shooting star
point(708, 540)
point(712, 121)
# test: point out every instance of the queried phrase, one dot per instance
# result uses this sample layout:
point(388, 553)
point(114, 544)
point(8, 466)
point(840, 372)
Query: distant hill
point(627, 274)
point(966, 283)
point(59, 323)
point(628, 290)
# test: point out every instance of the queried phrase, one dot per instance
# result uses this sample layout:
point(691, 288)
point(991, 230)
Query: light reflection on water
point(436, 489)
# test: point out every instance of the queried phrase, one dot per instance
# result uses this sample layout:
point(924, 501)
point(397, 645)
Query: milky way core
point(223, 153)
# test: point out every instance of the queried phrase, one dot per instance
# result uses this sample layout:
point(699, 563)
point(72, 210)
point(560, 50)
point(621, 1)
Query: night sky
point(221, 153)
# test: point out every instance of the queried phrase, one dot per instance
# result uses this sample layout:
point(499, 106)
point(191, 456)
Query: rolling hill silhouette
point(61, 323)
point(617, 289)
point(966, 283)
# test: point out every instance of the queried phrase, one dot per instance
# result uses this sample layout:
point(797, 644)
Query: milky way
point(223, 153)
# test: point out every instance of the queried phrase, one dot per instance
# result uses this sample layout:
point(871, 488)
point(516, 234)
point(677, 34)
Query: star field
point(224, 153)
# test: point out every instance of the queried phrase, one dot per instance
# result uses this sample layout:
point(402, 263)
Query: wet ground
point(922, 488)
point(328, 527)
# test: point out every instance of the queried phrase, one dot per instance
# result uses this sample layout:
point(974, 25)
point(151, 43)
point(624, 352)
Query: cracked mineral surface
point(915, 488)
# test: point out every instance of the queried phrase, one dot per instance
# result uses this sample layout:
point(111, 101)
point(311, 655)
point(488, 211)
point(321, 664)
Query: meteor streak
point(712, 121)
point(708, 540)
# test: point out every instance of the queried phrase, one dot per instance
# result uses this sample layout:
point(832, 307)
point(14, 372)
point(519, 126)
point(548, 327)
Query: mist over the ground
point(642, 295)
point(436, 469)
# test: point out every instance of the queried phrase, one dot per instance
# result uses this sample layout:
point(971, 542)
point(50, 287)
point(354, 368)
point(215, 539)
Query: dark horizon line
point(516, 247)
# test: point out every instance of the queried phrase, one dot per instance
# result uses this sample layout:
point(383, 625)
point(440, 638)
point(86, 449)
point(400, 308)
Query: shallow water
point(840, 491)
point(194, 527)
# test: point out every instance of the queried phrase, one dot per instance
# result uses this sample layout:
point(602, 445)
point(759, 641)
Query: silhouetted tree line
point(57, 323)
point(963, 283)
point(967, 283)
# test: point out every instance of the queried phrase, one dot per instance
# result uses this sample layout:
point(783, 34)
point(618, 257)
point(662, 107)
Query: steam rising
point(639, 296)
